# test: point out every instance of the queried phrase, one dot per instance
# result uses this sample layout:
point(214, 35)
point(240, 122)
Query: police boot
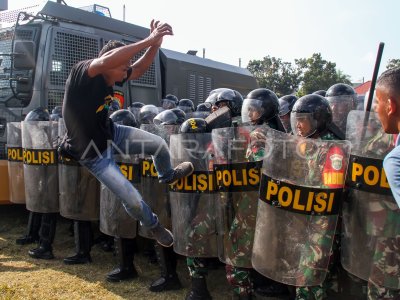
point(242, 296)
point(274, 289)
point(83, 243)
point(125, 253)
point(169, 278)
point(46, 234)
point(199, 290)
point(32, 233)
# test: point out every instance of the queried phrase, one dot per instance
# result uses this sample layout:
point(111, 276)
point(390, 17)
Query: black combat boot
point(83, 243)
point(32, 232)
point(46, 233)
point(169, 278)
point(125, 252)
point(242, 296)
point(198, 290)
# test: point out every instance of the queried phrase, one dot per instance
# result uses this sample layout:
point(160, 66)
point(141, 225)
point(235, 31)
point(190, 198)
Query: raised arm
point(122, 55)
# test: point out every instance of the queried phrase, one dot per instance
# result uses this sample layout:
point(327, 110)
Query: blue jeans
point(129, 141)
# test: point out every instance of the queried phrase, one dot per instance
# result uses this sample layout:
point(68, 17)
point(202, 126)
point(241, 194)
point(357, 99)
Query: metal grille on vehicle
point(148, 78)
point(68, 49)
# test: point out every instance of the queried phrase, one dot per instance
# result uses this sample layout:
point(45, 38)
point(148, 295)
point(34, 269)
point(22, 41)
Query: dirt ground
point(22, 277)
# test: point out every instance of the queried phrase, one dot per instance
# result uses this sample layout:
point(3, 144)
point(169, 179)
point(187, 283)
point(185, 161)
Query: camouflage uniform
point(241, 234)
point(385, 227)
point(323, 230)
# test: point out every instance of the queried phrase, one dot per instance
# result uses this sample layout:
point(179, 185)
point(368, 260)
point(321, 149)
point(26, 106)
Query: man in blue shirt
point(388, 110)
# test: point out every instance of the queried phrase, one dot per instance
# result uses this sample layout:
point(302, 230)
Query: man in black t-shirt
point(92, 138)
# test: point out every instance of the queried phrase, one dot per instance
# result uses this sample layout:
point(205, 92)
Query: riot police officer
point(169, 101)
point(42, 202)
point(186, 105)
point(312, 117)
point(342, 98)
point(285, 108)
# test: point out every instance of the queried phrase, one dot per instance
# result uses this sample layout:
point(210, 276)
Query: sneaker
point(162, 235)
point(182, 170)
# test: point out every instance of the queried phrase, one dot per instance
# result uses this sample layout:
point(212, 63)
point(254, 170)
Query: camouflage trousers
point(322, 240)
point(239, 279)
point(386, 269)
point(197, 267)
point(378, 292)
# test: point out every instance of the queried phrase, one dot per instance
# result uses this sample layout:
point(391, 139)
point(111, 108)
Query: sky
point(347, 33)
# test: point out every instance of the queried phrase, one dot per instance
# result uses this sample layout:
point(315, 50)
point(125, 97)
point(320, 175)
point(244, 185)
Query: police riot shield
point(301, 189)
point(114, 220)
point(15, 163)
point(39, 144)
point(192, 198)
point(238, 158)
point(79, 189)
point(371, 217)
point(154, 193)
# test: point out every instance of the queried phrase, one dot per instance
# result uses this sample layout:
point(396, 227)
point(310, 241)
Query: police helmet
point(186, 105)
point(38, 114)
point(315, 111)
point(342, 99)
point(124, 117)
point(212, 96)
point(320, 92)
point(233, 99)
point(180, 114)
point(259, 106)
point(343, 93)
point(147, 114)
point(166, 117)
point(169, 101)
point(137, 104)
point(193, 125)
point(286, 104)
point(57, 110)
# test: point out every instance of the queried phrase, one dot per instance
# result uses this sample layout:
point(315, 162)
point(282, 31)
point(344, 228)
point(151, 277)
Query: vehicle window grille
point(68, 50)
point(149, 77)
point(200, 94)
point(55, 98)
point(10, 16)
point(25, 35)
point(192, 86)
point(208, 87)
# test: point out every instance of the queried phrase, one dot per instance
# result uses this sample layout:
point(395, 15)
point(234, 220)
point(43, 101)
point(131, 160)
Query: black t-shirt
point(85, 112)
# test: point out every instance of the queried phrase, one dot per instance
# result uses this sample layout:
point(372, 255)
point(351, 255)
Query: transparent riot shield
point(299, 199)
point(114, 220)
point(371, 217)
point(15, 163)
point(238, 159)
point(39, 143)
point(79, 189)
point(154, 193)
point(193, 198)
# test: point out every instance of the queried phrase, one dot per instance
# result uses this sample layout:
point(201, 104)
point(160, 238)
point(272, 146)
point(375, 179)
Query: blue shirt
point(391, 165)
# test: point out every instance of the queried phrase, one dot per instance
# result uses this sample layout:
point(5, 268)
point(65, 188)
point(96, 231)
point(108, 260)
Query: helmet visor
point(303, 124)
point(341, 106)
point(252, 111)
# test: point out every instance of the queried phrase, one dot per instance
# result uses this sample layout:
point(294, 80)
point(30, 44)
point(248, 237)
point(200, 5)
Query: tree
point(318, 74)
point(275, 74)
point(393, 63)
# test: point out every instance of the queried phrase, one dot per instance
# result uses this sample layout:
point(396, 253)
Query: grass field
point(22, 277)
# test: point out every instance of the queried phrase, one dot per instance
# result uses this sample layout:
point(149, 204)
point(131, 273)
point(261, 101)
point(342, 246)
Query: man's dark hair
point(112, 44)
point(390, 80)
